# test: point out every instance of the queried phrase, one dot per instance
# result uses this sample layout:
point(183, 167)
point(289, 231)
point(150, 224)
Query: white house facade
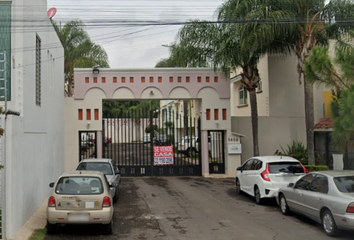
point(32, 147)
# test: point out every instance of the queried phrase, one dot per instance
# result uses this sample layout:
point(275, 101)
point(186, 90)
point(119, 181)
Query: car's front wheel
point(51, 228)
point(328, 224)
point(238, 186)
point(284, 208)
point(257, 196)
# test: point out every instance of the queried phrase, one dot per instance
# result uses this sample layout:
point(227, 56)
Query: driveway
point(195, 208)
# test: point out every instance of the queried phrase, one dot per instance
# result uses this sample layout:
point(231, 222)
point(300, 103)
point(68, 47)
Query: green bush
point(312, 168)
point(298, 151)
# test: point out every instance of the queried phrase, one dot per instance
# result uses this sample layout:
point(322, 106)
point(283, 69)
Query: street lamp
point(95, 70)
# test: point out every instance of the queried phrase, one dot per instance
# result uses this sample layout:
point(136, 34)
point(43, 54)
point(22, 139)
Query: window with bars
point(38, 71)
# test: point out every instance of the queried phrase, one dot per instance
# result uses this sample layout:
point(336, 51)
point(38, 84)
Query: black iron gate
point(216, 151)
point(87, 145)
point(132, 140)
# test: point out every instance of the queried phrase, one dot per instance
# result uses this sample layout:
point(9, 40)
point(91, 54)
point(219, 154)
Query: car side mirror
point(117, 170)
point(239, 168)
point(291, 185)
point(51, 184)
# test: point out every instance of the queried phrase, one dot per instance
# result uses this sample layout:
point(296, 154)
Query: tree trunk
point(309, 116)
point(254, 118)
point(70, 88)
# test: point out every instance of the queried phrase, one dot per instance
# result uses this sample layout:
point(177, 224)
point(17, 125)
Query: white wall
point(273, 133)
point(34, 140)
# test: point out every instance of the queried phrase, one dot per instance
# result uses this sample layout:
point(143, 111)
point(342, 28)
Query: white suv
point(262, 176)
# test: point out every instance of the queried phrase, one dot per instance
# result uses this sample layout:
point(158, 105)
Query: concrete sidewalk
point(37, 221)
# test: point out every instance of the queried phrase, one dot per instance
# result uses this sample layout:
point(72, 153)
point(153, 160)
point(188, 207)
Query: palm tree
point(227, 45)
point(336, 72)
point(79, 50)
point(312, 25)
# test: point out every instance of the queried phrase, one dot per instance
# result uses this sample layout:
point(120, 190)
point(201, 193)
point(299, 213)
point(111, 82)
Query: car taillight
point(350, 208)
point(305, 170)
point(106, 202)
point(51, 202)
point(265, 173)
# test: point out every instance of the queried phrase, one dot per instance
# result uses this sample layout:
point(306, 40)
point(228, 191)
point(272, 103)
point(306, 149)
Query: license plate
point(79, 217)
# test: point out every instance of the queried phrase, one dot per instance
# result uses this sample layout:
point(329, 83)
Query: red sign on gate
point(163, 155)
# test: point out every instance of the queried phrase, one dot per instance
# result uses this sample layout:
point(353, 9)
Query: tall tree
point(228, 45)
point(79, 50)
point(313, 22)
point(333, 66)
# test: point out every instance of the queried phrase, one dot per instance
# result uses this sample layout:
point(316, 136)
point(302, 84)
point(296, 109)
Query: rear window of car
point(345, 184)
point(79, 185)
point(96, 166)
point(286, 167)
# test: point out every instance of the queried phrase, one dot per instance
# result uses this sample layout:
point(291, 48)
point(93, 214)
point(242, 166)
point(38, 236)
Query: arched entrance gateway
point(212, 147)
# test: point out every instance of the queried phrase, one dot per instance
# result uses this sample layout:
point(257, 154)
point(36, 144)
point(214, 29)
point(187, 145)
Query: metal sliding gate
point(132, 140)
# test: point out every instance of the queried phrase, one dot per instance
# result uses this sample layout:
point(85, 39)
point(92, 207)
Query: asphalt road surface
point(195, 208)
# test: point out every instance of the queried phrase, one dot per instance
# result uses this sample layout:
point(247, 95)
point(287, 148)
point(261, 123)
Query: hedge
point(312, 168)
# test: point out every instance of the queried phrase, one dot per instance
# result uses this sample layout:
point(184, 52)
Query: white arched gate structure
point(210, 89)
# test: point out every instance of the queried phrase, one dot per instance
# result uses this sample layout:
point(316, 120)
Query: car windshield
point(345, 184)
point(79, 185)
point(96, 166)
point(286, 167)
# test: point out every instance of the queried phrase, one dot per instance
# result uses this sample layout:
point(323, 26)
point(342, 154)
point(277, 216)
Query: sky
point(135, 34)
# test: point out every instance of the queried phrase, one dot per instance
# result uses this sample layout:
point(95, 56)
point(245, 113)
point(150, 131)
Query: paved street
point(191, 208)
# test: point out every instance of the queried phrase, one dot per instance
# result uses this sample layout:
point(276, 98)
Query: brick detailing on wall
point(216, 114)
point(88, 114)
point(80, 114)
point(207, 114)
point(224, 114)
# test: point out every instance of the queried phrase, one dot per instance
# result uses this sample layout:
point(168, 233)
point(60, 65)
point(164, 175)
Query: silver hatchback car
point(80, 197)
point(106, 166)
point(325, 196)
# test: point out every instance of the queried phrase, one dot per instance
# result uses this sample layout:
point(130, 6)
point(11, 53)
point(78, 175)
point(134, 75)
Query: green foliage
point(147, 129)
point(79, 50)
point(296, 150)
point(312, 168)
point(336, 72)
point(38, 234)
point(343, 124)
point(129, 108)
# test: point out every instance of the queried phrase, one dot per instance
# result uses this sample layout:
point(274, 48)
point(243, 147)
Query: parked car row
point(326, 197)
point(84, 196)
